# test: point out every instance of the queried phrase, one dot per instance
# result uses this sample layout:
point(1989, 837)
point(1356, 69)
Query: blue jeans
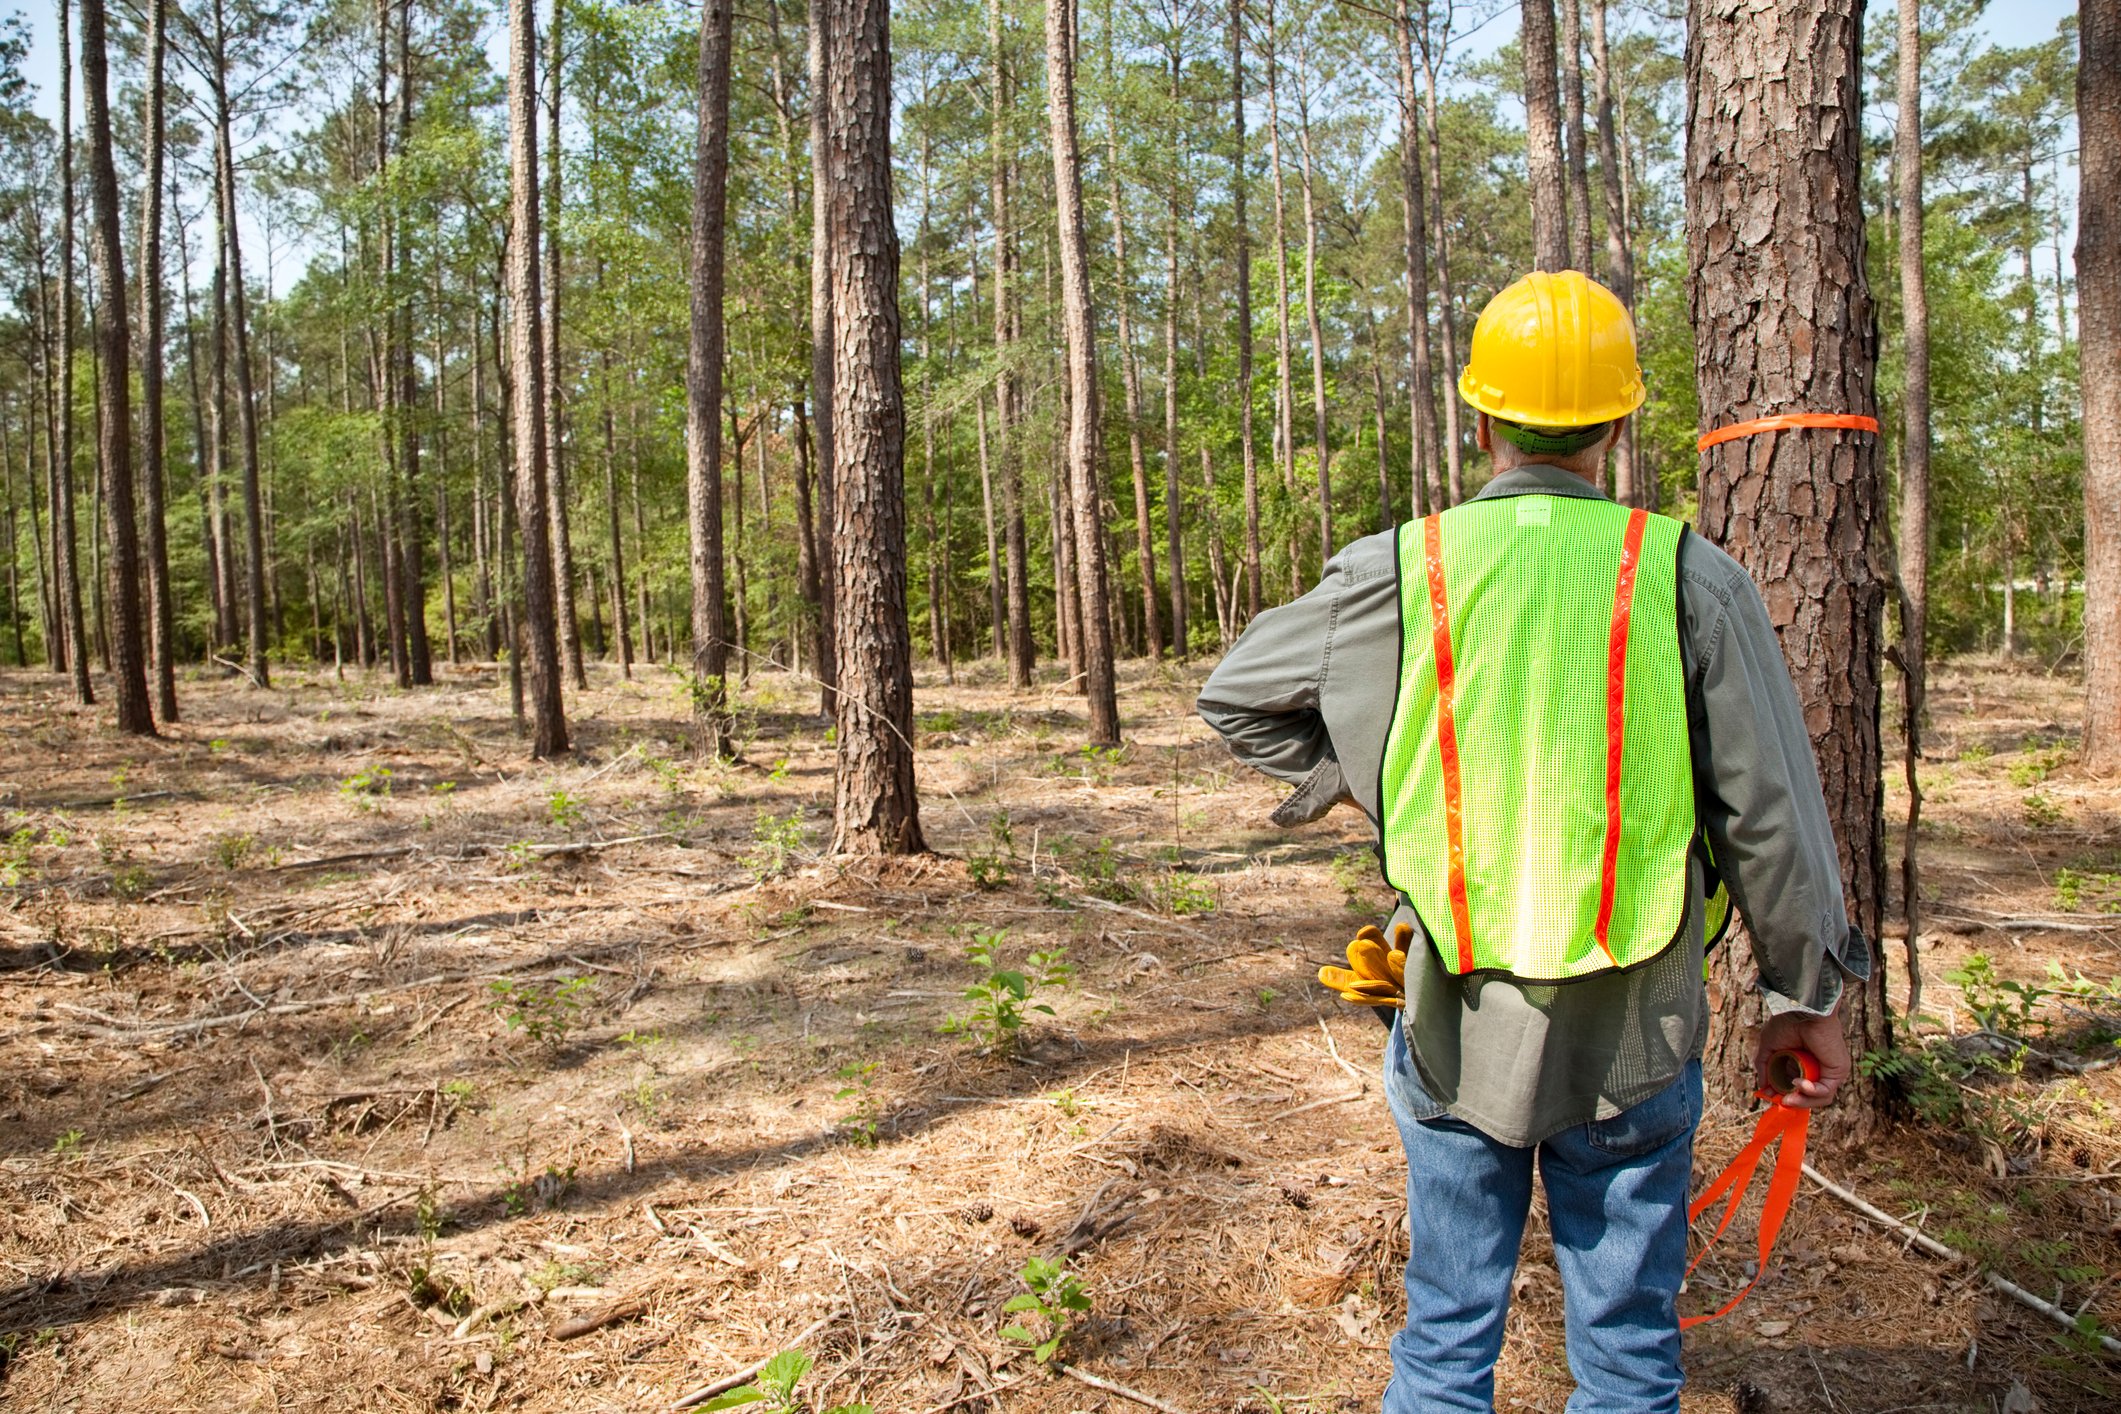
point(1616, 1202)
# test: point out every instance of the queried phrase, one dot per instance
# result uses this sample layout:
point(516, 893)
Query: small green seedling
point(774, 1388)
point(542, 1013)
point(366, 789)
point(859, 1123)
point(1002, 997)
point(1056, 1296)
point(563, 810)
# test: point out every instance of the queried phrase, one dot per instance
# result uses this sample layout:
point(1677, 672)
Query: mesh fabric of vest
point(1530, 585)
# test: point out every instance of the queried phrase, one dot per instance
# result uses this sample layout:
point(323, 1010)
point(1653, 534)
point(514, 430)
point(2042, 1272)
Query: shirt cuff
point(1316, 794)
point(1850, 963)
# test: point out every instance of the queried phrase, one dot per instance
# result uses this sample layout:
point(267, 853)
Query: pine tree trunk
point(2099, 359)
point(1421, 387)
point(412, 568)
point(876, 810)
point(114, 424)
point(1914, 473)
point(1783, 323)
point(997, 612)
point(555, 390)
point(1284, 381)
point(66, 543)
point(1542, 131)
point(1453, 483)
point(703, 387)
point(1620, 262)
point(1311, 319)
point(162, 623)
point(1084, 441)
point(821, 360)
point(1239, 180)
point(239, 354)
point(1023, 651)
point(1572, 110)
point(1174, 499)
point(1130, 369)
point(526, 390)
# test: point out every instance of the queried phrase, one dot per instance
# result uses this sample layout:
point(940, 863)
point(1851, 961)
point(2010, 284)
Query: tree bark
point(1620, 261)
point(1783, 322)
point(412, 567)
point(876, 810)
point(66, 544)
point(114, 425)
point(1421, 386)
point(1542, 133)
point(1081, 329)
point(555, 391)
point(1131, 383)
point(1453, 484)
point(1572, 112)
point(1174, 499)
point(162, 622)
point(1914, 474)
point(526, 390)
point(703, 387)
point(1311, 318)
point(1239, 180)
point(2099, 359)
point(996, 604)
point(1023, 652)
point(821, 359)
point(1284, 385)
point(239, 335)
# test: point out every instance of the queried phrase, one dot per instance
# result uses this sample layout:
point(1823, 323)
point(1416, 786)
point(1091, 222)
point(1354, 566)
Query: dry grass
point(272, 1141)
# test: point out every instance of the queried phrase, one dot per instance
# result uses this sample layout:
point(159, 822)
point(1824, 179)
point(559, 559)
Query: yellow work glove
point(1376, 974)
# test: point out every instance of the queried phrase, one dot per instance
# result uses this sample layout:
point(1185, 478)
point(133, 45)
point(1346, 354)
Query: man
point(1558, 712)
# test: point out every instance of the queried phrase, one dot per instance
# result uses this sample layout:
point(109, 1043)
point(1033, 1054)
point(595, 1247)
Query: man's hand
point(1799, 1031)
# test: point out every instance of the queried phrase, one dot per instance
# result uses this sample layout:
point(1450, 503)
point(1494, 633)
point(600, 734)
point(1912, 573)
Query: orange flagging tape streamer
point(1779, 1122)
point(1784, 423)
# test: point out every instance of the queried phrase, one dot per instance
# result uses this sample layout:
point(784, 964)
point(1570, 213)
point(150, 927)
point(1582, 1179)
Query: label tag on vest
point(1534, 510)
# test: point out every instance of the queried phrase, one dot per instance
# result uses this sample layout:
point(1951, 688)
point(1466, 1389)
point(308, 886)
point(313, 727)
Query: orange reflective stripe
point(1779, 1123)
point(1785, 422)
point(1616, 701)
point(1447, 738)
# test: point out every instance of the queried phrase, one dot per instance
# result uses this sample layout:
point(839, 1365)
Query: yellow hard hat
point(1554, 351)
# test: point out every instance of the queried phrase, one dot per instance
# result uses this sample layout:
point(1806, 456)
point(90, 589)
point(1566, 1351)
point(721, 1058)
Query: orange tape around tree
point(1784, 422)
point(1781, 1127)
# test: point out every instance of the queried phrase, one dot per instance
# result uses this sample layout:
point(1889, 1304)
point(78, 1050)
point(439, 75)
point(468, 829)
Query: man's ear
point(1612, 436)
point(1482, 437)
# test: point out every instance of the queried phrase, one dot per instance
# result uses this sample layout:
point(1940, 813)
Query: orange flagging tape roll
point(1783, 423)
point(1780, 1126)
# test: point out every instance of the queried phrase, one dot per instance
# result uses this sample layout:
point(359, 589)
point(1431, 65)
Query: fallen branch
point(330, 860)
point(1931, 1245)
point(1357, 1076)
point(1999, 924)
point(1114, 1387)
point(626, 1308)
point(692, 1399)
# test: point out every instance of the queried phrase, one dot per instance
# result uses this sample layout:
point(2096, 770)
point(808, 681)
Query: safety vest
point(1536, 792)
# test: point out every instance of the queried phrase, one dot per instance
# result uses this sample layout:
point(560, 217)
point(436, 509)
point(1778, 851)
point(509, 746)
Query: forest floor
point(346, 1057)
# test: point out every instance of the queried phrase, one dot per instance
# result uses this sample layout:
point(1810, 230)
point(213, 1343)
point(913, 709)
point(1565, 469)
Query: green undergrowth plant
point(774, 1389)
point(989, 868)
point(1055, 1297)
point(542, 1011)
point(367, 788)
point(775, 840)
point(1004, 997)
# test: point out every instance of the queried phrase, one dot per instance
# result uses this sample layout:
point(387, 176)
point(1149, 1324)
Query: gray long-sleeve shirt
point(1306, 696)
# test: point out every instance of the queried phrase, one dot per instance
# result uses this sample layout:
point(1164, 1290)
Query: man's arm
point(1263, 700)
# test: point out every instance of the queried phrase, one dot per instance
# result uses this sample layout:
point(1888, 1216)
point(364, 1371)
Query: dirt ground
point(347, 1057)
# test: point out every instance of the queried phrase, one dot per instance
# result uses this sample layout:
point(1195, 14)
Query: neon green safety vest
point(1536, 792)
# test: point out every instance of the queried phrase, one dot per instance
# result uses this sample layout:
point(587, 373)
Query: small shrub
point(990, 868)
point(774, 1389)
point(1002, 997)
point(2074, 890)
point(563, 810)
point(231, 850)
point(542, 1012)
point(858, 1125)
point(1355, 875)
point(68, 1144)
point(366, 789)
point(2041, 811)
point(1055, 1296)
point(1186, 895)
point(775, 839)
